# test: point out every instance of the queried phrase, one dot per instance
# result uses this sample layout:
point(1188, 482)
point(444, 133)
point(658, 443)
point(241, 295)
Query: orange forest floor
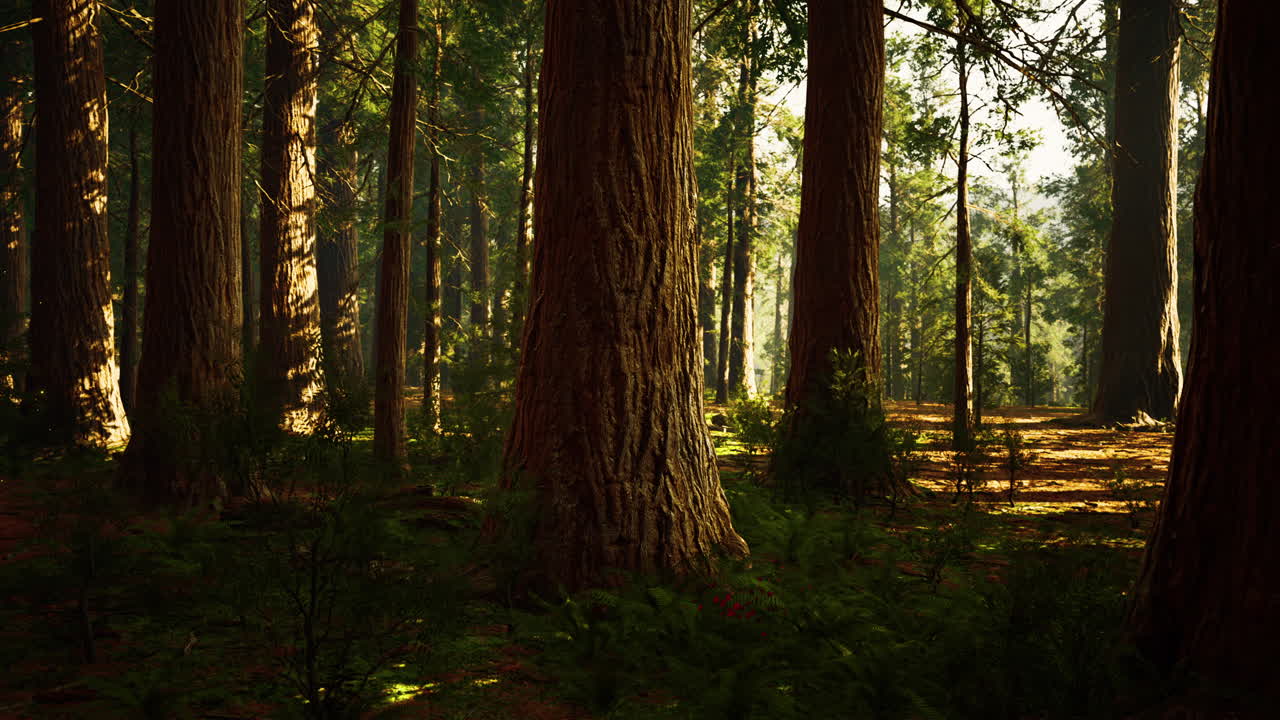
point(1080, 477)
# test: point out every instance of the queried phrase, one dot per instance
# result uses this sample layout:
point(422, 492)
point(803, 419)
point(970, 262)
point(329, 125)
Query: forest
point(631, 359)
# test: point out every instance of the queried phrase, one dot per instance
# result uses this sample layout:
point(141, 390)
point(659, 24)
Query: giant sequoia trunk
point(1141, 367)
point(338, 271)
point(191, 357)
point(962, 412)
point(1208, 597)
point(13, 231)
point(73, 351)
point(288, 358)
point(608, 428)
point(836, 292)
point(393, 284)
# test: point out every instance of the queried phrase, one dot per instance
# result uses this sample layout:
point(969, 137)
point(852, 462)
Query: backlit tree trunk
point(1208, 597)
point(393, 294)
point(288, 357)
point(191, 356)
point(608, 428)
point(1141, 366)
point(13, 229)
point(742, 367)
point(836, 292)
point(73, 352)
point(431, 330)
point(338, 271)
point(962, 414)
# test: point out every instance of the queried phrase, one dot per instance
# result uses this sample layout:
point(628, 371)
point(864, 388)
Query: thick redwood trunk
point(393, 291)
point(191, 358)
point(836, 292)
point(13, 232)
point(608, 427)
point(73, 351)
point(1208, 597)
point(288, 358)
point(1141, 365)
point(338, 271)
point(962, 414)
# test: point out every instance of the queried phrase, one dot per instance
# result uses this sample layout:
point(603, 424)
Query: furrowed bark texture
point(1141, 368)
point(73, 353)
point(13, 230)
point(1208, 596)
point(609, 428)
point(191, 360)
point(393, 294)
point(836, 291)
point(289, 358)
point(338, 273)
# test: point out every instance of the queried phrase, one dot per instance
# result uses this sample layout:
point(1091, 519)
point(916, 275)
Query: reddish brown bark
point(73, 354)
point(835, 292)
point(393, 291)
point(191, 357)
point(608, 427)
point(1141, 368)
point(1208, 597)
point(288, 363)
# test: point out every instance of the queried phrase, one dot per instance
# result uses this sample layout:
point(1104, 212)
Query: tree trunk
point(1141, 365)
point(248, 283)
point(707, 307)
point(73, 351)
point(451, 304)
point(129, 302)
point(13, 232)
point(726, 294)
point(191, 357)
point(775, 375)
point(393, 297)
point(836, 291)
point(479, 247)
point(962, 416)
point(431, 328)
point(288, 358)
point(1208, 596)
point(338, 271)
point(742, 374)
point(608, 424)
point(520, 294)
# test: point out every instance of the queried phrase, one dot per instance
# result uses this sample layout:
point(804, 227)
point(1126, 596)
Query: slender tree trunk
point(338, 270)
point(479, 247)
point(191, 356)
point(451, 290)
point(707, 307)
point(962, 417)
point(520, 293)
point(1141, 372)
point(13, 231)
point(129, 303)
point(431, 329)
point(1208, 597)
point(393, 300)
point(742, 375)
point(248, 283)
point(288, 361)
point(836, 286)
point(73, 352)
point(726, 295)
point(612, 332)
point(775, 376)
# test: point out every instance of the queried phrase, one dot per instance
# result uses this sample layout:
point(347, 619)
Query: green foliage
point(1133, 493)
point(1016, 456)
point(755, 421)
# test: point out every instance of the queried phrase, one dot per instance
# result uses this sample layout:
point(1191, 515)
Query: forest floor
point(1086, 487)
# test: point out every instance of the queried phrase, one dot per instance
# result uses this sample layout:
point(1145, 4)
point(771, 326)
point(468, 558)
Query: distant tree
point(338, 266)
point(608, 429)
point(962, 413)
point(73, 355)
point(742, 375)
point(431, 330)
point(393, 285)
point(13, 225)
point(1206, 599)
point(191, 358)
point(288, 366)
point(1141, 370)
